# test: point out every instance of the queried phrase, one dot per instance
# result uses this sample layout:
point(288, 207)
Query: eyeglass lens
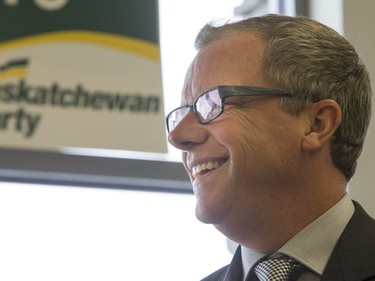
point(208, 105)
point(176, 116)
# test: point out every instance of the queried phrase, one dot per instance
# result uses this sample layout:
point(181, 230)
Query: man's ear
point(324, 117)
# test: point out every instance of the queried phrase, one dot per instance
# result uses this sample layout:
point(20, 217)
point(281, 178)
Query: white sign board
point(81, 74)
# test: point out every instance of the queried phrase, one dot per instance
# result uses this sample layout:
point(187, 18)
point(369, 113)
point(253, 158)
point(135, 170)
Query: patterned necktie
point(280, 269)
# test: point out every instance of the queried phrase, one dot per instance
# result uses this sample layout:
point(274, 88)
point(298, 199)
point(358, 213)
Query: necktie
point(277, 269)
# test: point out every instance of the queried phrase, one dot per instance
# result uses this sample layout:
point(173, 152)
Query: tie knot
point(276, 269)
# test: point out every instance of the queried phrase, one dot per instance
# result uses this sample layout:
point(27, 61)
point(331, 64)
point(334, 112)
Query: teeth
point(204, 166)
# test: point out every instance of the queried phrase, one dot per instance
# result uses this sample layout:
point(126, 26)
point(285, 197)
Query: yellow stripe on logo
point(127, 44)
point(14, 72)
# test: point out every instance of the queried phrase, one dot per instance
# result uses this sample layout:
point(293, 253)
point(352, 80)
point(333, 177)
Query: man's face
point(251, 150)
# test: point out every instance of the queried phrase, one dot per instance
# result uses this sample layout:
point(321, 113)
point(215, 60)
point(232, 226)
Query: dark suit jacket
point(352, 259)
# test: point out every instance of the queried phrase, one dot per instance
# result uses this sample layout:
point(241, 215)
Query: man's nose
point(188, 133)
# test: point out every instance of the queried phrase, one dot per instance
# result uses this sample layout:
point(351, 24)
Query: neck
point(287, 217)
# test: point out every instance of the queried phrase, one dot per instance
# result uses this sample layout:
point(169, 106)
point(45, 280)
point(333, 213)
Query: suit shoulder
point(362, 223)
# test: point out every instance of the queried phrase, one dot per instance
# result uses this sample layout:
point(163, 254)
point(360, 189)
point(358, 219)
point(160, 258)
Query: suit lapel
point(353, 257)
point(234, 271)
point(231, 272)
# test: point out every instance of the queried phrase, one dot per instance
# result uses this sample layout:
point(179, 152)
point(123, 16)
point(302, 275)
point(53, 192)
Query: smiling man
point(274, 114)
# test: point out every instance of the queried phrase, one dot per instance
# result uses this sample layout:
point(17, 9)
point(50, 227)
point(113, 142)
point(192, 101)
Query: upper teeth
point(204, 166)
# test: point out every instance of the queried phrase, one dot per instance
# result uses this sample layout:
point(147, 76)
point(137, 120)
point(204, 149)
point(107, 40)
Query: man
point(273, 118)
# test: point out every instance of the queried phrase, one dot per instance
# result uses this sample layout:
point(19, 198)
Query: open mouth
point(206, 167)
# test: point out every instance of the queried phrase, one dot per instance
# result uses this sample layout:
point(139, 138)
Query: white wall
point(328, 12)
point(355, 20)
point(359, 28)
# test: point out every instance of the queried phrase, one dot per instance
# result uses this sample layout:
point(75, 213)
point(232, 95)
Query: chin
point(209, 215)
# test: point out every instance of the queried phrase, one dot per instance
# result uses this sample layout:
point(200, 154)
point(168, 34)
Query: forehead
point(233, 60)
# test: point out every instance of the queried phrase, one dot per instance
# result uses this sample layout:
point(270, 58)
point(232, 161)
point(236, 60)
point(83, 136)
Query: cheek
point(244, 145)
point(262, 149)
point(242, 137)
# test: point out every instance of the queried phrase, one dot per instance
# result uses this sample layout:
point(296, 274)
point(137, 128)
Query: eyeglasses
point(209, 105)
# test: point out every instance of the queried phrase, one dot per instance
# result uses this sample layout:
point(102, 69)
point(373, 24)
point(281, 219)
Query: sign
point(77, 73)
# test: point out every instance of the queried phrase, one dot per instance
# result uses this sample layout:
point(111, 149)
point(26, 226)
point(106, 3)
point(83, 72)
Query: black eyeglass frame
point(225, 92)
